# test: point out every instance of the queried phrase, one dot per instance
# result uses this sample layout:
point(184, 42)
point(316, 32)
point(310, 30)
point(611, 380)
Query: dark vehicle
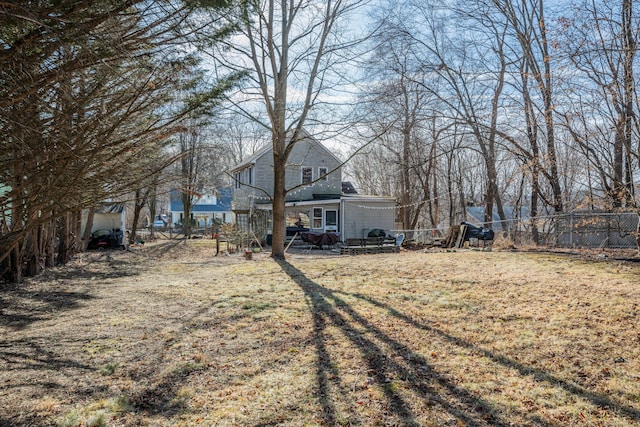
point(106, 239)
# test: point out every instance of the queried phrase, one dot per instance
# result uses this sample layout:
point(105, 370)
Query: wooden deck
point(370, 245)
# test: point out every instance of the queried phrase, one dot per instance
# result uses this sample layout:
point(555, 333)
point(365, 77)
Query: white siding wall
point(362, 216)
point(309, 154)
point(306, 153)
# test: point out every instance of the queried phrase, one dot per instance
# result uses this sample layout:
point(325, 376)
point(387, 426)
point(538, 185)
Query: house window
point(317, 217)
point(307, 174)
point(245, 176)
point(331, 220)
point(322, 173)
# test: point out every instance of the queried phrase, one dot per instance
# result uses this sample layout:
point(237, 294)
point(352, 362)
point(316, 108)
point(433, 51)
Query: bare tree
point(398, 103)
point(240, 136)
point(465, 71)
point(527, 23)
point(601, 44)
point(190, 171)
point(291, 49)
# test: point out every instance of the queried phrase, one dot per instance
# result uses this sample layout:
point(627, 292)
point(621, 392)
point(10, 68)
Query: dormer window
point(307, 174)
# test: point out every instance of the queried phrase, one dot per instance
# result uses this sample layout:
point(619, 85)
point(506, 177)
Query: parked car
point(106, 239)
point(160, 222)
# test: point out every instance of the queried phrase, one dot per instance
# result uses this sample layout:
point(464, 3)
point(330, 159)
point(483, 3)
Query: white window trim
point(314, 217)
point(321, 176)
point(324, 219)
point(302, 169)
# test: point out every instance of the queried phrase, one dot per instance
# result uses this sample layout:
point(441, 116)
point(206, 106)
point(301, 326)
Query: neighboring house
point(212, 205)
point(326, 204)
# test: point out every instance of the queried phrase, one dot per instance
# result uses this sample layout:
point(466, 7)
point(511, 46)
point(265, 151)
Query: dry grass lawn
point(172, 336)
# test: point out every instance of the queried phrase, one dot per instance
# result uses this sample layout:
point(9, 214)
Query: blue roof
point(225, 196)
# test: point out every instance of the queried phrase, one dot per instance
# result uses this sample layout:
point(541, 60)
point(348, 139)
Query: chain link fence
point(597, 230)
point(608, 230)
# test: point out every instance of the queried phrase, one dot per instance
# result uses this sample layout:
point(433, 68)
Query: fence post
point(571, 230)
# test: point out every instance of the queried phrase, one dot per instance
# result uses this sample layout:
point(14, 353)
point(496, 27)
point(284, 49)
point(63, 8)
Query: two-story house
point(318, 204)
point(212, 205)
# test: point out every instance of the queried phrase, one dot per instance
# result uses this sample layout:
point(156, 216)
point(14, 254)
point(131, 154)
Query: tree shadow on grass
point(20, 421)
point(162, 397)
point(524, 370)
point(161, 249)
point(21, 308)
point(26, 354)
point(328, 309)
point(21, 305)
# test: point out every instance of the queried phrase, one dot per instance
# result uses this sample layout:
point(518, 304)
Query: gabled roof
point(267, 148)
point(251, 160)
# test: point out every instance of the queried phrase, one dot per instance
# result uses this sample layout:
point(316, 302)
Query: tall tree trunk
point(152, 203)
point(76, 238)
point(547, 94)
point(617, 186)
point(33, 264)
point(50, 246)
point(405, 179)
point(629, 50)
point(186, 203)
point(64, 238)
point(138, 204)
point(534, 160)
point(86, 236)
point(279, 198)
point(434, 207)
point(488, 206)
point(12, 265)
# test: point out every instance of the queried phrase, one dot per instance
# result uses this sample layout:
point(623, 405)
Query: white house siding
point(307, 153)
point(361, 215)
point(315, 156)
point(205, 218)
